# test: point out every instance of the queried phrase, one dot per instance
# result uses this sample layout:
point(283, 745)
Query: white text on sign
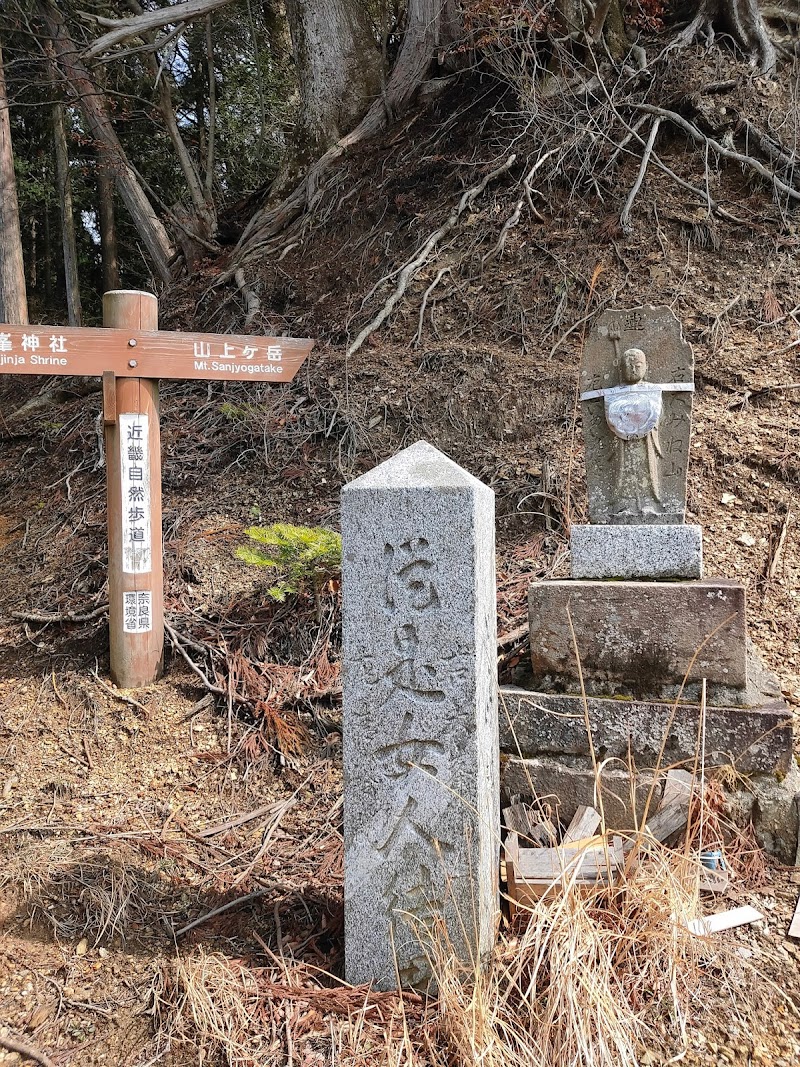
point(135, 477)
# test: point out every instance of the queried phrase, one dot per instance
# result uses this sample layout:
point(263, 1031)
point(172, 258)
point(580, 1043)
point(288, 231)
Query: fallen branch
point(223, 908)
point(513, 636)
point(45, 617)
point(13, 1044)
point(176, 643)
point(772, 568)
point(115, 693)
point(756, 393)
point(412, 266)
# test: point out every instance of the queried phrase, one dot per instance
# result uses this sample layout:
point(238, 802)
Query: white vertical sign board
point(135, 473)
point(137, 604)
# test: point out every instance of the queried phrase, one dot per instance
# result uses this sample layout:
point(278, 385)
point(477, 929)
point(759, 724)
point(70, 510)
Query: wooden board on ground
point(673, 811)
point(149, 354)
point(584, 823)
point(724, 920)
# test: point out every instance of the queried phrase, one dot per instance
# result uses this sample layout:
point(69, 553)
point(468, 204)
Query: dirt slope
point(110, 811)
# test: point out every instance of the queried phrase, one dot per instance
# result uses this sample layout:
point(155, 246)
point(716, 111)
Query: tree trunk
point(338, 69)
point(13, 298)
point(109, 252)
point(64, 189)
point(92, 103)
point(203, 223)
point(47, 260)
point(431, 27)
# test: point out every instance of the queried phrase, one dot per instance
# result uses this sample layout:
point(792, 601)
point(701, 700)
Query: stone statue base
point(645, 650)
point(653, 552)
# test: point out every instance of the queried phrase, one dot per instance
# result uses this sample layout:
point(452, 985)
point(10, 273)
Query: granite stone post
point(421, 766)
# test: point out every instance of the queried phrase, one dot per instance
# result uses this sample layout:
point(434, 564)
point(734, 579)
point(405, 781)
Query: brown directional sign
point(157, 354)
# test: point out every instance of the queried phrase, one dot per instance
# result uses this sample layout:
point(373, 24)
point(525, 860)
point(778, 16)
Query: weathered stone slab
point(647, 551)
point(421, 806)
point(639, 639)
point(637, 379)
point(566, 788)
point(755, 740)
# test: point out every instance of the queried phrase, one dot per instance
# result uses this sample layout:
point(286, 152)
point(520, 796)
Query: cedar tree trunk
point(92, 103)
point(64, 190)
point(338, 69)
point(13, 300)
point(109, 251)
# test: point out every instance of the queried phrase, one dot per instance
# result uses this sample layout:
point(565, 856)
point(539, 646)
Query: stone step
point(752, 739)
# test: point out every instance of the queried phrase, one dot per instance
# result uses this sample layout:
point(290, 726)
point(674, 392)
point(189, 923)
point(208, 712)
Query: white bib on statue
point(632, 411)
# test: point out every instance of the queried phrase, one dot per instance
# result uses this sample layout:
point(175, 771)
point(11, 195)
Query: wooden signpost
point(131, 354)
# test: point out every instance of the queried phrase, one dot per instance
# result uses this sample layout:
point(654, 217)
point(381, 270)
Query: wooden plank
point(673, 811)
point(584, 823)
point(589, 861)
point(724, 920)
point(794, 927)
point(532, 828)
point(714, 881)
point(511, 854)
point(143, 353)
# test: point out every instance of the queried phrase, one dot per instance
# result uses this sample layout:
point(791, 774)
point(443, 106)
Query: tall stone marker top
point(419, 466)
point(637, 380)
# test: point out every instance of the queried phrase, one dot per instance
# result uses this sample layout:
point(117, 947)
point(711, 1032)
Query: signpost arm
point(133, 451)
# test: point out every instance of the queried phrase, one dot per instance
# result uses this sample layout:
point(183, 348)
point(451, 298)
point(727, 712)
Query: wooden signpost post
point(131, 354)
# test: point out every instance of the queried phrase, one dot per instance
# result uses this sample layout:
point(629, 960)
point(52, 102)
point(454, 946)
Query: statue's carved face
point(634, 366)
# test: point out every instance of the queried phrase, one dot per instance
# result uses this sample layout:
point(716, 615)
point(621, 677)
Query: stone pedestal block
point(649, 552)
point(640, 639)
point(421, 789)
point(756, 740)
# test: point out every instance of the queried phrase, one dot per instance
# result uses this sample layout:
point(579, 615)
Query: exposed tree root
point(251, 300)
point(412, 266)
point(743, 20)
point(53, 396)
point(416, 54)
point(721, 150)
point(625, 214)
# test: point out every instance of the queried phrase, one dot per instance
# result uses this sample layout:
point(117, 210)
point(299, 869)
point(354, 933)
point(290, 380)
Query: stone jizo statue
point(633, 411)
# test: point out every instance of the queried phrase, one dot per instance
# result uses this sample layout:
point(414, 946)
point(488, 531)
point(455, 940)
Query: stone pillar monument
point(421, 791)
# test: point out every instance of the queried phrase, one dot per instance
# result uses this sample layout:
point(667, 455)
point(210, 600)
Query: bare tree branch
point(150, 20)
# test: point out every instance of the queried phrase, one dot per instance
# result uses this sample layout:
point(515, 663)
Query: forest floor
point(122, 815)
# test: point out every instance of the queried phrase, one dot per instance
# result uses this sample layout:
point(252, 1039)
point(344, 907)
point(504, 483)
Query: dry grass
point(589, 979)
point(80, 891)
